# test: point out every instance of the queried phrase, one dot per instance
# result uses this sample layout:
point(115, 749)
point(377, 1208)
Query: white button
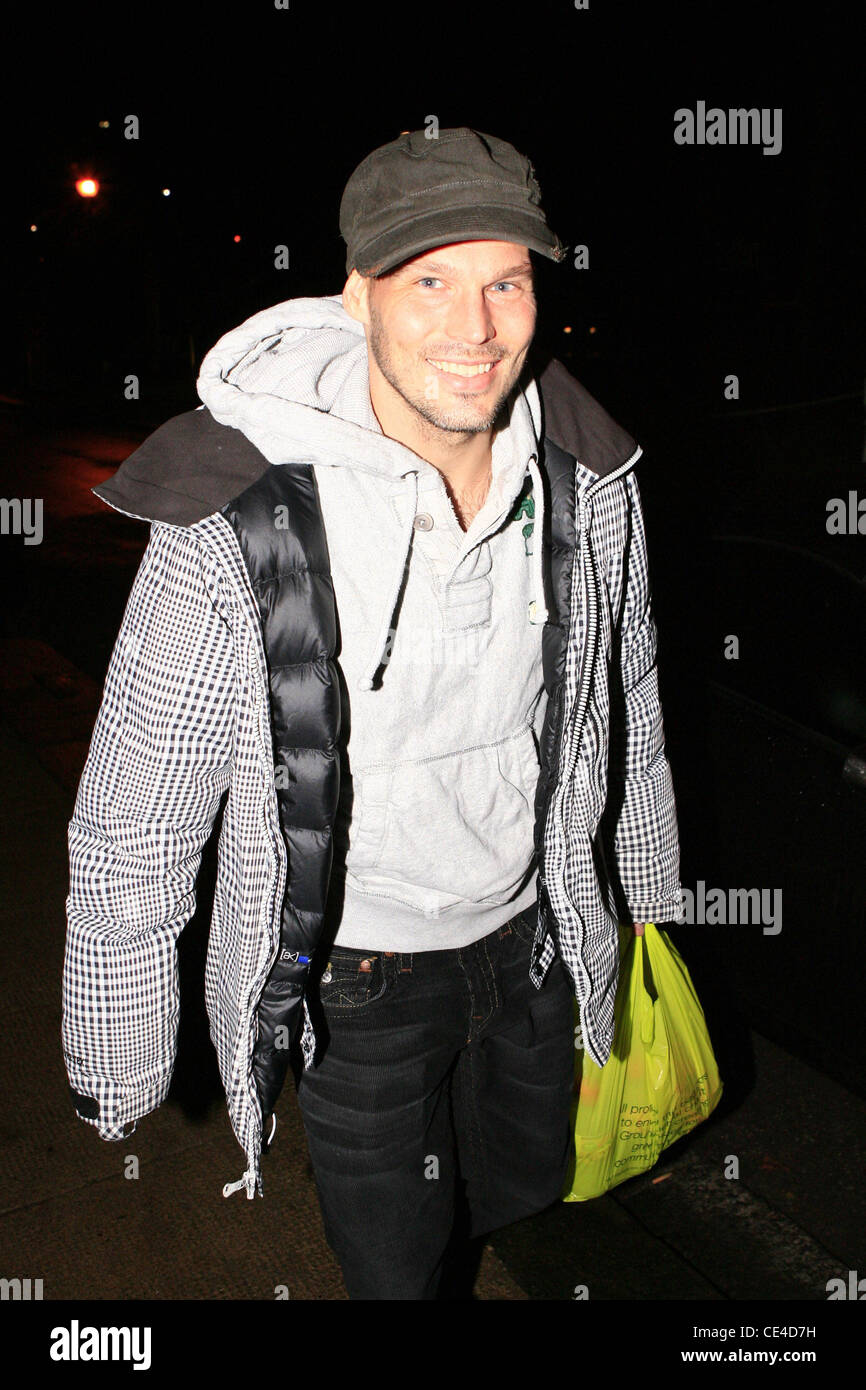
point(423, 522)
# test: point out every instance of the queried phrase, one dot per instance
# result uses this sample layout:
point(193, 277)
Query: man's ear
point(355, 293)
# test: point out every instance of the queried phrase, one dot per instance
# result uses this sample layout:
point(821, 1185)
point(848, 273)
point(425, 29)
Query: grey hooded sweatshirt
point(440, 634)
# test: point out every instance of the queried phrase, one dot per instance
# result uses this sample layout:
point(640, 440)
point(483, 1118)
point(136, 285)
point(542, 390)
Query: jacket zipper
point(252, 1179)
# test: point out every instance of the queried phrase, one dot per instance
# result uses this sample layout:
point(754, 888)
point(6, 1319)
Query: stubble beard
point(459, 420)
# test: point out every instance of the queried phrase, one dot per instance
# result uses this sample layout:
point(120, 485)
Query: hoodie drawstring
point(537, 608)
point(378, 654)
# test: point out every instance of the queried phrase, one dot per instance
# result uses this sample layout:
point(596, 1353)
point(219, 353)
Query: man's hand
point(638, 928)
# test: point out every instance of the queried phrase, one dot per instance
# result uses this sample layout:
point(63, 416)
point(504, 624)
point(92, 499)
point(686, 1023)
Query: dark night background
point(703, 262)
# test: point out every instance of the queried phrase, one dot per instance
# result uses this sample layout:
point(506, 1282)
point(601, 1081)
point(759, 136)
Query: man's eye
point(506, 284)
point(429, 280)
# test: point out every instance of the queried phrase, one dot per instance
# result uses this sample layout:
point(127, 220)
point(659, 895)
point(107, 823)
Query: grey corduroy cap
point(417, 193)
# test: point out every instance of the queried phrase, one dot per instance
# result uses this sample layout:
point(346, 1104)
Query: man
point(395, 606)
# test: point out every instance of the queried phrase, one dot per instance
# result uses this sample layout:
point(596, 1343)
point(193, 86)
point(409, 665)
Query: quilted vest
point(279, 526)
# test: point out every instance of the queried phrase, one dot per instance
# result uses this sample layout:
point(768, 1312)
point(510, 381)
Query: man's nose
point(470, 318)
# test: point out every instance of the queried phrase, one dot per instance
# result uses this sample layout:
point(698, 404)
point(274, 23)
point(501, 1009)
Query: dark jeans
point(441, 1103)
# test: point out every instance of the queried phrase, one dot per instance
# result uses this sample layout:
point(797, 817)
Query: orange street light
point(86, 188)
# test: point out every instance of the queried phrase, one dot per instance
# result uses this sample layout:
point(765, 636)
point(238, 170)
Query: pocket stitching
point(339, 980)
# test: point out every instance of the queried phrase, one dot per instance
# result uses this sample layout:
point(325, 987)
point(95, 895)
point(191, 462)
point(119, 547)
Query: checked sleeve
point(160, 760)
point(646, 836)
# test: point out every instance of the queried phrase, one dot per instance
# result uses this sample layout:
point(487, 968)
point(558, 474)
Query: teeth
point(460, 369)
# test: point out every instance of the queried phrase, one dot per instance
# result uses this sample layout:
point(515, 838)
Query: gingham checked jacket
point(187, 716)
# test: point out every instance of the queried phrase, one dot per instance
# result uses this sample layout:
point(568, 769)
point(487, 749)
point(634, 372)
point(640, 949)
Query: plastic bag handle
point(647, 1010)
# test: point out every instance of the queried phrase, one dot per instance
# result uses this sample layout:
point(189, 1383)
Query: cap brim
point(444, 228)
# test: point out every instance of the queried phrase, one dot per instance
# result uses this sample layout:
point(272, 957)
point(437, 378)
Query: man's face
point(450, 330)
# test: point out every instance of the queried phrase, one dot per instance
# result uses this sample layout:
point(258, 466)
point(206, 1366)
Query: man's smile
point(480, 372)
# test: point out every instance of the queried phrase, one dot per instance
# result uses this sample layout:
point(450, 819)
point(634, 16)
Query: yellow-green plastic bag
point(660, 1080)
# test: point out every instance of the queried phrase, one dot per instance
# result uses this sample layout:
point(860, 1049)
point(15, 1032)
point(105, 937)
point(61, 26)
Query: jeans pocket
point(525, 924)
point(352, 979)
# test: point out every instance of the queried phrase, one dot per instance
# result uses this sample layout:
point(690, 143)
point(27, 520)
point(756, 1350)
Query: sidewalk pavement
point(74, 1214)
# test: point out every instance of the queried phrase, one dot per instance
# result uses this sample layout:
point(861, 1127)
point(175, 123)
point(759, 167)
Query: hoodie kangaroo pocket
point(433, 832)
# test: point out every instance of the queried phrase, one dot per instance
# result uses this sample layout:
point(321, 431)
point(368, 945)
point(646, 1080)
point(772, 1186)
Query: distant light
point(166, 193)
point(33, 227)
point(567, 328)
point(103, 125)
point(592, 330)
point(236, 239)
point(87, 188)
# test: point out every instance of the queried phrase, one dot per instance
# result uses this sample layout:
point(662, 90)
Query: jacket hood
point(294, 380)
point(291, 383)
point(193, 464)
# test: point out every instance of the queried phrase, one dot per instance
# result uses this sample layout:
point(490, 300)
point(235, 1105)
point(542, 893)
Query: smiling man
point(395, 605)
point(448, 338)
